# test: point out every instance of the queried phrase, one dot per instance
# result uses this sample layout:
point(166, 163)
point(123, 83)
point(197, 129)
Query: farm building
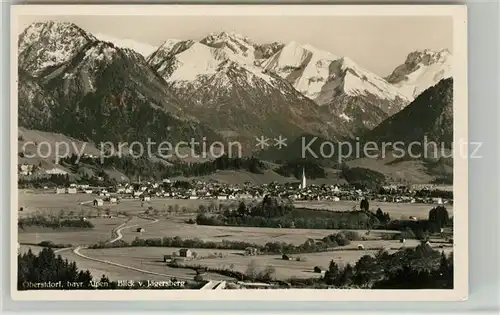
point(146, 198)
point(60, 190)
point(137, 193)
point(71, 191)
point(113, 199)
point(88, 191)
point(251, 251)
point(98, 202)
point(140, 230)
point(185, 252)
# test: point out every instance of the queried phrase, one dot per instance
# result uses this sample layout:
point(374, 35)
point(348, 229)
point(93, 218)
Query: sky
point(377, 43)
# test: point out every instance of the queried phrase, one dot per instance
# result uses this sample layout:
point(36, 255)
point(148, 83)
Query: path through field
point(119, 236)
point(77, 252)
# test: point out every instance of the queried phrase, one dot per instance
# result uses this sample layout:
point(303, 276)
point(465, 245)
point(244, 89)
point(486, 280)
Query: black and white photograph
point(196, 151)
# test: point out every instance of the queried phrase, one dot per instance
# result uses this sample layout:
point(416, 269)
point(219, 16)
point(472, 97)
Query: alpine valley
point(225, 86)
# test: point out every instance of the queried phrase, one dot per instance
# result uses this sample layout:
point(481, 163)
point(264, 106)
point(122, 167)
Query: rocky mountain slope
point(359, 97)
point(241, 46)
point(234, 95)
point(96, 91)
point(430, 115)
point(421, 70)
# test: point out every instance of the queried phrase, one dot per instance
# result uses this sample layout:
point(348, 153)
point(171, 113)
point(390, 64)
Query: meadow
point(150, 258)
point(172, 215)
point(396, 210)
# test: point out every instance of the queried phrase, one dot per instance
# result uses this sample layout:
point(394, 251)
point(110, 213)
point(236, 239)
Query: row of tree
point(413, 268)
point(147, 168)
point(53, 222)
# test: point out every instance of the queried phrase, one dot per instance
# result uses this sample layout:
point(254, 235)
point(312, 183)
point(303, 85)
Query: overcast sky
point(377, 43)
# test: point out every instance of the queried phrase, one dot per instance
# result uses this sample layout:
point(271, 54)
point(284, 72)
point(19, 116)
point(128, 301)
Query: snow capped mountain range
point(421, 70)
point(225, 80)
point(142, 48)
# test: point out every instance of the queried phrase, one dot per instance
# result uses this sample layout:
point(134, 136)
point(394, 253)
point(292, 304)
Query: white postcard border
point(460, 183)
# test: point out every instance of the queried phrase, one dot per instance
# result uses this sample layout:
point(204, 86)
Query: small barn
point(98, 202)
point(60, 190)
point(185, 252)
point(251, 251)
point(140, 230)
point(113, 200)
point(71, 191)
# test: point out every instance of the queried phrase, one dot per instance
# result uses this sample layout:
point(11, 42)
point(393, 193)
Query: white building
point(303, 184)
point(56, 171)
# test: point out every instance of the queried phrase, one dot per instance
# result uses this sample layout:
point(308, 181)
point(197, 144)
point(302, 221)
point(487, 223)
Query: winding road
point(118, 231)
point(117, 235)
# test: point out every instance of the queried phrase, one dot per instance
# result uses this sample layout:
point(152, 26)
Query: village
point(194, 190)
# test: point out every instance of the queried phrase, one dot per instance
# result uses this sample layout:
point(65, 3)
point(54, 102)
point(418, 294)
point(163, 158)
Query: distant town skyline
point(377, 43)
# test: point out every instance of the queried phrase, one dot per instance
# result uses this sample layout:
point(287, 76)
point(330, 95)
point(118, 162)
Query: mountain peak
point(427, 56)
point(421, 70)
point(231, 42)
point(44, 45)
point(224, 35)
point(142, 48)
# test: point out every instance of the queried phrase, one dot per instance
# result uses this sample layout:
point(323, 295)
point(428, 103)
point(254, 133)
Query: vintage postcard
point(191, 152)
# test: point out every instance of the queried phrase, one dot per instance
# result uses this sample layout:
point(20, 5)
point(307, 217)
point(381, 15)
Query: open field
point(101, 232)
point(147, 258)
point(396, 210)
point(150, 258)
point(54, 203)
point(172, 227)
point(46, 201)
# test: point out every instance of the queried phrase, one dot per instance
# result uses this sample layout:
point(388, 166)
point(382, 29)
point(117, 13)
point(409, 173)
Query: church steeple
point(303, 183)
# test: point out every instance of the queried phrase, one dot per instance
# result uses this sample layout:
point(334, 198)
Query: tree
point(439, 216)
point(252, 271)
point(269, 273)
point(242, 208)
point(332, 273)
point(364, 205)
